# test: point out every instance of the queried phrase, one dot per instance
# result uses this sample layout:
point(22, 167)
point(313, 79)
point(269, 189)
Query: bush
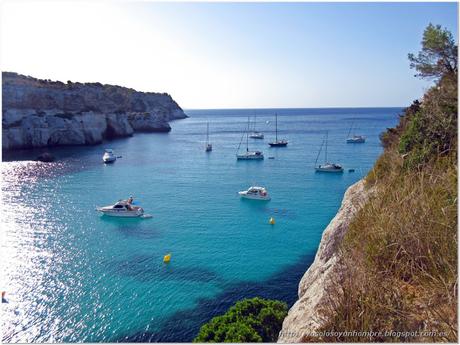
point(249, 320)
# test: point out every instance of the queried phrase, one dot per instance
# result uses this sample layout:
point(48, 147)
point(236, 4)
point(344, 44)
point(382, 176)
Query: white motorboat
point(255, 193)
point(327, 167)
point(122, 208)
point(108, 156)
point(248, 155)
point(356, 139)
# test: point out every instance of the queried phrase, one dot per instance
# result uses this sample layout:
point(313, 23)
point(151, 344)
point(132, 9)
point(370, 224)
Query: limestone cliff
point(304, 317)
point(38, 113)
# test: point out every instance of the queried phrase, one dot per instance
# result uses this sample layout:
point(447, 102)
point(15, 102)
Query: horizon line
point(270, 108)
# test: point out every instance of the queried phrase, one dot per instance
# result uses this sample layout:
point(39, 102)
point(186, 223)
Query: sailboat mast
point(247, 137)
point(327, 132)
point(349, 131)
point(207, 133)
point(276, 127)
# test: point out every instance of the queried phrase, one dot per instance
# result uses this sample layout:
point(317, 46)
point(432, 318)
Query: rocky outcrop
point(304, 318)
point(39, 113)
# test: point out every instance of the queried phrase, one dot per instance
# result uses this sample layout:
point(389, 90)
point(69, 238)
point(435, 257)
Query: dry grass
point(400, 256)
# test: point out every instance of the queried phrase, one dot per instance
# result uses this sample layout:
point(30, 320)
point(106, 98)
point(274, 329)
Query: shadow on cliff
point(184, 325)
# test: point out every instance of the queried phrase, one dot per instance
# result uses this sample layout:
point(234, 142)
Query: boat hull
point(278, 144)
point(121, 214)
point(114, 212)
point(250, 157)
point(244, 195)
point(356, 140)
point(328, 170)
point(256, 136)
point(109, 160)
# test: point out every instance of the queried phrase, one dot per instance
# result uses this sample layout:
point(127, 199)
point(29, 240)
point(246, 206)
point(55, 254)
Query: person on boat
point(130, 200)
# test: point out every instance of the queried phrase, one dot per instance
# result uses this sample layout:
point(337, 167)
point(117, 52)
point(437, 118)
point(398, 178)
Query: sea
point(72, 275)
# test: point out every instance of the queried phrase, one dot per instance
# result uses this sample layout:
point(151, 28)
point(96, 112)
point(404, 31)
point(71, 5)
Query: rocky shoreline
point(43, 113)
point(304, 317)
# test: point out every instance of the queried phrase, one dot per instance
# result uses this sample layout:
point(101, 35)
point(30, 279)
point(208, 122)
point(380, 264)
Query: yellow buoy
point(272, 221)
point(167, 258)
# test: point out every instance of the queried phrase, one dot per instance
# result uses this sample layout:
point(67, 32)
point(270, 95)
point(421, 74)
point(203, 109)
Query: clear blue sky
point(237, 55)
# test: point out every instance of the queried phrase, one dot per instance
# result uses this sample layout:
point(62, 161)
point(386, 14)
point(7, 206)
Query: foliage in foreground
point(249, 320)
point(399, 255)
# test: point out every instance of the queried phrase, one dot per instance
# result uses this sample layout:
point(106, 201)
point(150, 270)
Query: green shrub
point(249, 320)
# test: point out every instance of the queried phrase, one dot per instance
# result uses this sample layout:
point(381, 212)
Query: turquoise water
point(74, 276)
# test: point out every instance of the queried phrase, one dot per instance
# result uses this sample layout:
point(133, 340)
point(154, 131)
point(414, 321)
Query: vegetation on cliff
point(399, 255)
point(250, 320)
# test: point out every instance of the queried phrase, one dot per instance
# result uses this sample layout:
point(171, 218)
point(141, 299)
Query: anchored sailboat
point(277, 143)
point(248, 155)
point(327, 167)
point(355, 139)
point(208, 147)
point(255, 134)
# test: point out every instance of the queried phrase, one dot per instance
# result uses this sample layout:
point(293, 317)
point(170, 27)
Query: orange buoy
point(272, 221)
point(167, 258)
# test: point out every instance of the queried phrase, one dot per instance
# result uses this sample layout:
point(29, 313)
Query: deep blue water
point(74, 276)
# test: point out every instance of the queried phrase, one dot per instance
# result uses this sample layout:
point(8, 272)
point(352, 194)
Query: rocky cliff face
point(38, 113)
point(304, 318)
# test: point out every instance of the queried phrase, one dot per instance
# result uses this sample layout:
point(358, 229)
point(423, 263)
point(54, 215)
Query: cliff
point(305, 318)
point(38, 113)
point(387, 266)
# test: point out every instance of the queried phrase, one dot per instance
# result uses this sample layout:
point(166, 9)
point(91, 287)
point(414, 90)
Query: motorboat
point(277, 142)
point(108, 156)
point(255, 193)
point(122, 208)
point(327, 167)
point(356, 139)
point(250, 155)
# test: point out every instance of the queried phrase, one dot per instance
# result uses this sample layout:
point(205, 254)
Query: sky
point(227, 55)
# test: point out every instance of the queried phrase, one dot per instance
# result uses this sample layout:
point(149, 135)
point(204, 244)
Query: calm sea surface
point(74, 276)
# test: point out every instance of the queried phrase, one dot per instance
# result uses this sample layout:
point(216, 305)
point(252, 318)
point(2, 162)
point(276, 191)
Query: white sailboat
point(249, 155)
point(208, 147)
point(255, 134)
point(355, 139)
point(327, 167)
